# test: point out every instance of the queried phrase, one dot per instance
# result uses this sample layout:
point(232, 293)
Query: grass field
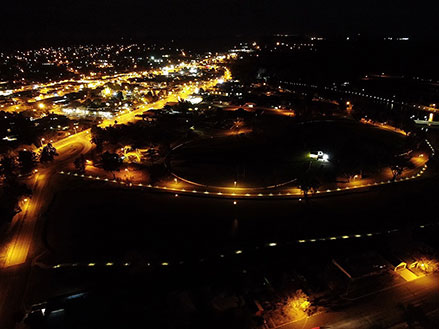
point(274, 157)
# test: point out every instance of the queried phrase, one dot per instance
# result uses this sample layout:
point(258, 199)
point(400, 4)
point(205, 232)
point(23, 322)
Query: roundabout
point(277, 158)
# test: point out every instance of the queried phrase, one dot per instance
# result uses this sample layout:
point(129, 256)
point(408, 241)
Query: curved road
point(13, 277)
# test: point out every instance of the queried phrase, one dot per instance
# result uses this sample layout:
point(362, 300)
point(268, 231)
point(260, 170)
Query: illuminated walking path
point(241, 193)
point(162, 263)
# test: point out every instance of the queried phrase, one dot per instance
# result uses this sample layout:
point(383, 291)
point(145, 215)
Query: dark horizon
point(44, 23)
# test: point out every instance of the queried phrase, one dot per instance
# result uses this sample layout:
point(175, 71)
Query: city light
point(128, 160)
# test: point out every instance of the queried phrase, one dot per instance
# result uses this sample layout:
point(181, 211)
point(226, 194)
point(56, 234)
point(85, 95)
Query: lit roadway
point(23, 243)
point(68, 149)
point(383, 309)
point(374, 309)
point(93, 81)
point(13, 277)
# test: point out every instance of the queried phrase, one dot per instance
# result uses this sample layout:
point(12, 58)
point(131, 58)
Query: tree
point(7, 166)
point(27, 160)
point(350, 166)
point(298, 305)
point(111, 161)
point(48, 153)
point(428, 265)
point(308, 183)
point(80, 163)
point(97, 138)
point(397, 166)
point(183, 106)
point(164, 148)
point(153, 154)
point(10, 196)
point(167, 108)
point(149, 97)
point(238, 124)
point(396, 171)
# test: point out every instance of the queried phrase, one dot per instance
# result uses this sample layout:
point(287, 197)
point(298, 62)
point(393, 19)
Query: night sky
point(92, 20)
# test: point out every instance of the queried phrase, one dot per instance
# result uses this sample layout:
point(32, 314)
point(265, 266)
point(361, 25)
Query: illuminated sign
point(319, 156)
